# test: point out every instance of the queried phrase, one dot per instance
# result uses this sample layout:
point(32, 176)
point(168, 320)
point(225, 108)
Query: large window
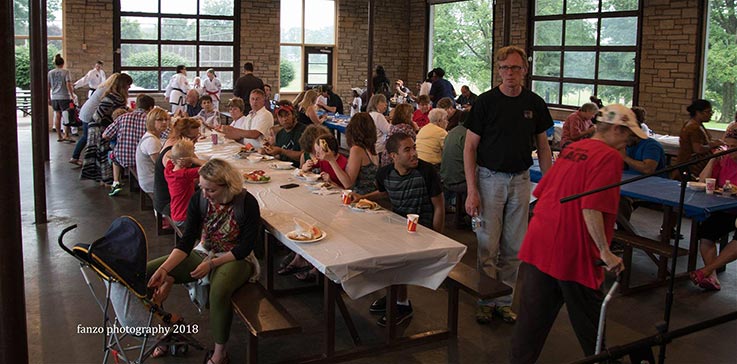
point(585, 47)
point(462, 41)
point(21, 15)
point(721, 62)
point(307, 40)
point(154, 36)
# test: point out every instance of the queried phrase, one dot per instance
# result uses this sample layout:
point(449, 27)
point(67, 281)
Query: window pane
point(548, 33)
point(582, 6)
point(179, 7)
point(576, 94)
point(139, 55)
point(317, 78)
point(579, 64)
point(317, 58)
point(618, 5)
point(460, 32)
point(290, 69)
point(546, 64)
point(144, 80)
point(548, 7)
point(617, 66)
point(139, 28)
point(173, 55)
point(619, 31)
point(139, 6)
point(216, 30)
point(319, 22)
point(547, 90)
point(216, 56)
point(317, 68)
point(178, 29)
point(216, 7)
point(615, 95)
point(291, 21)
point(581, 32)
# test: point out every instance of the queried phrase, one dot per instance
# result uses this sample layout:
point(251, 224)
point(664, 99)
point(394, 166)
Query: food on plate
point(257, 176)
point(304, 231)
point(366, 204)
point(247, 148)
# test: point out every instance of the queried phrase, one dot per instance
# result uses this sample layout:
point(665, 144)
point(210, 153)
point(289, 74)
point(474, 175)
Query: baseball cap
point(620, 115)
point(357, 89)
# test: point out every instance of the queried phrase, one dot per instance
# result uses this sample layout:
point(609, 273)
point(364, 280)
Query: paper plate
point(255, 182)
point(322, 236)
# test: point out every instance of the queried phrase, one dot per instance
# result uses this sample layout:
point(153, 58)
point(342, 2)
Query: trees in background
point(721, 56)
point(462, 42)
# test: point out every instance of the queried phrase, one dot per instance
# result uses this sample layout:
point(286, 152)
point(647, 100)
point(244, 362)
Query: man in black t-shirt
point(413, 187)
point(247, 83)
point(334, 103)
point(504, 125)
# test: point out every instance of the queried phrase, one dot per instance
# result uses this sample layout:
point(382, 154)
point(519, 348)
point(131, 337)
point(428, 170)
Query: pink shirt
point(725, 168)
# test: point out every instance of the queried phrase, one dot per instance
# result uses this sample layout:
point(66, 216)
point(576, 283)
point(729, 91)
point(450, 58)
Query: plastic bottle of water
point(728, 188)
point(477, 223)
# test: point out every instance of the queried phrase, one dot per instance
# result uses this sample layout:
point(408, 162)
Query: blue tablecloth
point(337, 123)
point(697, 204)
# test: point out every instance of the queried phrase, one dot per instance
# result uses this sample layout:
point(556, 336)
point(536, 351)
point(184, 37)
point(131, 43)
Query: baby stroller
point(119, 260)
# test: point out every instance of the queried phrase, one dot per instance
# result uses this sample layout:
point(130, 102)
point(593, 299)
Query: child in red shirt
point(420, 117)
point(181, 178)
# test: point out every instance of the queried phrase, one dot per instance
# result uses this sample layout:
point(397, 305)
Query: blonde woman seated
point(431, 137)
point(307, 109)
point(223, 223)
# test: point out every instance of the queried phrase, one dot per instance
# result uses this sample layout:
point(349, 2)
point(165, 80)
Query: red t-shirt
point(725, 168)
point(557, 240)
point(181, 188)
point(420, 118)
point(325, 167)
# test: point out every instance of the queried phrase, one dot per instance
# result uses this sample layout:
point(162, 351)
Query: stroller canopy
point(123, 252)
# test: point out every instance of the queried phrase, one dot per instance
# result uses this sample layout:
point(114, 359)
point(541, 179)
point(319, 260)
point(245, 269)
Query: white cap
point(620, 115)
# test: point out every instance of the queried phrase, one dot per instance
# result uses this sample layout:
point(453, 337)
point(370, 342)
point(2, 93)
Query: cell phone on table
point(288, 186)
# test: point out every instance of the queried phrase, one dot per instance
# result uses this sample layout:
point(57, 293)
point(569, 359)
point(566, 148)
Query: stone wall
point(260, 39)
point(88, 34)
point(669, 67)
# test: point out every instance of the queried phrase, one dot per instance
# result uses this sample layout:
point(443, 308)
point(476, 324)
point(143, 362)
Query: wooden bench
point(263, 316)
point(23, 101)
point(657, 251)
point(479, 285)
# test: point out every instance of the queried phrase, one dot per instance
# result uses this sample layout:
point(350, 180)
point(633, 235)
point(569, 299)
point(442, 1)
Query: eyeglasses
point(510, 68)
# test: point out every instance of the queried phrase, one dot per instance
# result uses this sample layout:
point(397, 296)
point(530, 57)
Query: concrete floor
point(58, 301)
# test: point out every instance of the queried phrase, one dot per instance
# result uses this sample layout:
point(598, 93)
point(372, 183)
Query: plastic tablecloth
point(362, 251)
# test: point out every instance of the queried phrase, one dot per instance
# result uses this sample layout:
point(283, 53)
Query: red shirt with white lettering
point(557, 240)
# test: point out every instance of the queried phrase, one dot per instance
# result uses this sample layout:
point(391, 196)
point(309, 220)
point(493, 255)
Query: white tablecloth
point(363, 251)
point(669, 142)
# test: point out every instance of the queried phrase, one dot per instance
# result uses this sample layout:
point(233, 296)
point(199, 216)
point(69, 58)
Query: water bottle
point(477, 223)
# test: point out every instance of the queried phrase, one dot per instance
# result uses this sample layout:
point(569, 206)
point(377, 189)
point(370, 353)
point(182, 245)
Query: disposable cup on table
point(711, 185)
point(412, 220)
point(346, 197)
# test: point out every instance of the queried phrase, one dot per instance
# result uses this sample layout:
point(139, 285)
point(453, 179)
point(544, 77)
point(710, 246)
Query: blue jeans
point(505, 204)
point(81, 142)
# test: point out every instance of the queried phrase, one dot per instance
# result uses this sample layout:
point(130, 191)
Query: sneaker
point(115, 189)
point(506, 313)
point(484, 314)
point(404, 313)
point(378, 306)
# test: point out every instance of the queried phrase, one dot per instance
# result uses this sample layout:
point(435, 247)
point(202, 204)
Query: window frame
point(194, 69)
point(314, 47)
point(598, 49)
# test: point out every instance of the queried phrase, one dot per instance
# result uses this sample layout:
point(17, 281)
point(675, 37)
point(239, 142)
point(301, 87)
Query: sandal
point(293, 269)
point(286, 260)
point(208, 358)
point(308, 276)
